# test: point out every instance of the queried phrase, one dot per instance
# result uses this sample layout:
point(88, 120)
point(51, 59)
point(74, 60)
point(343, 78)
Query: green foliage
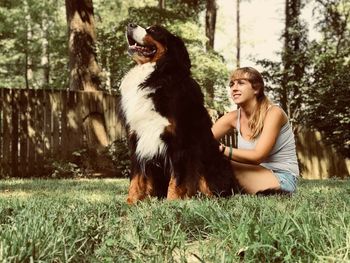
point(10, 42)
point(328, 105)
point(286, 78)
point(317, 94)
point(315, 79)
point(119, 153)
point(21, 39)
point(181, 19)
point(211, 73)
point(89, 221)
point(65, 169)
point(114, 161)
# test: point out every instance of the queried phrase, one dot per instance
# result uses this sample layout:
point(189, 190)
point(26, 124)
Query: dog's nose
point(132, 25)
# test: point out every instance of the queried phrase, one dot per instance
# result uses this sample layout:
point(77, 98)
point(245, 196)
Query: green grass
point(88, 221)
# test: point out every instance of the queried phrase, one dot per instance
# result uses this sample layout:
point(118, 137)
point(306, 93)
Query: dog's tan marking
point(176, 191)
point(187, 188)
point(140, 59)
point(161, 50)
point(140, 187)
point(203, 187)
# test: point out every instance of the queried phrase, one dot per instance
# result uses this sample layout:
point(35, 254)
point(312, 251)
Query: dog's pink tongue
point(141, 49)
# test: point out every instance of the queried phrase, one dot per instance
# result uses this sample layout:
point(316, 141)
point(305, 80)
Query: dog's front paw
point(131, 201)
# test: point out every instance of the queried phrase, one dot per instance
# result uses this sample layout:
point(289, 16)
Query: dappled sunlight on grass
point(15, 194)
point(89, 221)
point(324, 189)
point(95, 197)
point(91, 190)
point(328, 187)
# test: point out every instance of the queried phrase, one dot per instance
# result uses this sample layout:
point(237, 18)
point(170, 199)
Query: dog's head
point(156, 44)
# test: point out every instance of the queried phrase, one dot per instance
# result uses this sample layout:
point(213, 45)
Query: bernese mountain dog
point(173, 152)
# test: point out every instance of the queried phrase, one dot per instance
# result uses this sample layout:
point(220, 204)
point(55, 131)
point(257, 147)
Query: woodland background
point(80, 45)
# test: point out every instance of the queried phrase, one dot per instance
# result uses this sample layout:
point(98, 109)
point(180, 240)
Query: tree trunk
point(293, 69)
point(238, 29)
point(161, 4)
point(298, 68)
point(45, 58)
point(29, 37)
point(286, 59)
point(84, 70)
point(210, 23)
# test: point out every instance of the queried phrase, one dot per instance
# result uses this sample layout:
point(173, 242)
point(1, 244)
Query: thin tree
point(238, 39)
point(45, 56)
point(29, 37)
point(286, 57)
point(161, 4)
point(292, 58)
point(210, 23)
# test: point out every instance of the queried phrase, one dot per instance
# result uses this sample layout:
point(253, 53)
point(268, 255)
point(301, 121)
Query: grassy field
point(88, 221)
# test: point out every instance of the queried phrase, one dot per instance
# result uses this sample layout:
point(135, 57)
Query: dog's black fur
point(192, 151)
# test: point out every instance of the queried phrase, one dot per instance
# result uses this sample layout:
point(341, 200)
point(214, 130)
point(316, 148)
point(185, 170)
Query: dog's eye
point(150, 30)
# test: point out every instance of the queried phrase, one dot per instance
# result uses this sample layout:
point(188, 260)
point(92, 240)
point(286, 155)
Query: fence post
point(2, 102)
point(23, 135)
point(31, 131)
point(14, 137)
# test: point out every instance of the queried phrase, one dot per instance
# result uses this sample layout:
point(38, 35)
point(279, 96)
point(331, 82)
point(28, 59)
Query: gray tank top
point(282, 156)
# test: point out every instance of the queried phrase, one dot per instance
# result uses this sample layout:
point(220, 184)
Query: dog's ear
point(178, 51)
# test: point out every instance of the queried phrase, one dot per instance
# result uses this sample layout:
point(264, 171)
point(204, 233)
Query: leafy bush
point(119, 153)
point(65, 169)
point(114, 161)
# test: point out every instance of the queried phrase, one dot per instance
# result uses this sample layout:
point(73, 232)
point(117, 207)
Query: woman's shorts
point(287, 180)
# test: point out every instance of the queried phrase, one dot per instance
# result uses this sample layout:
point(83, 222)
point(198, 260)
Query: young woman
point(265, 158)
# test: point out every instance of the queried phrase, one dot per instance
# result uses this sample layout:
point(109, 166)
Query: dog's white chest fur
point(140, 112)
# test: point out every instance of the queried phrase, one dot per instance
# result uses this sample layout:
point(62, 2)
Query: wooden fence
point(318, 160)
point(39, 125)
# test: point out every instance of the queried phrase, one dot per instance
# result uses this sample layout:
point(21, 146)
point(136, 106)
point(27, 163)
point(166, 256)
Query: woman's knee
point(256, 179)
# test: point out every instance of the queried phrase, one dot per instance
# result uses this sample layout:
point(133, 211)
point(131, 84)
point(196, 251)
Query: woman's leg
point(255, 178)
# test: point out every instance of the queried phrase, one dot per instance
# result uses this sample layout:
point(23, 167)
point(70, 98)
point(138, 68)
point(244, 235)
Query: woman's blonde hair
point(256, 121)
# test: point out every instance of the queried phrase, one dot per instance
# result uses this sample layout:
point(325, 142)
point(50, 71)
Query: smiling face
point(242, 90)
point(246, 85)
point(144, 45)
